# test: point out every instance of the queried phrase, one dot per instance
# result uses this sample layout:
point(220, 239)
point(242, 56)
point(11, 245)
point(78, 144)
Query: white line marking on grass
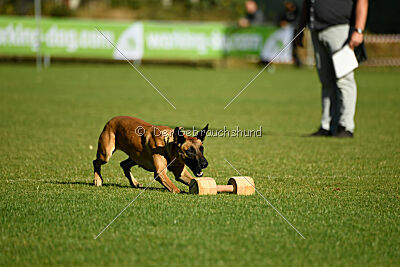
point(266, 200)
point(255, 77)
point(133, 200)
point(141, 74)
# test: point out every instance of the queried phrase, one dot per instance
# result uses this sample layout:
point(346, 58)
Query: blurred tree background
point(382, 14)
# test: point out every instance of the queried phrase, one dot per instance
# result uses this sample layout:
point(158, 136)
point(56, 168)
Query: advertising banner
point(59, 37)
point(81, 38)
point(184, 41)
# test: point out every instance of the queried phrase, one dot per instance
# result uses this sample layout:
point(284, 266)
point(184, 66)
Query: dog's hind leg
point(105, 149)
point(126, 166)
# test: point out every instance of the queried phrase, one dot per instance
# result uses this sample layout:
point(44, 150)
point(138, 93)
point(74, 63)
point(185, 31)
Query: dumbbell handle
point(225, 188)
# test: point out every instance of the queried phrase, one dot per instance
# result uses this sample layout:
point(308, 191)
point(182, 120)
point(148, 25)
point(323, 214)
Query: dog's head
point(191, 150)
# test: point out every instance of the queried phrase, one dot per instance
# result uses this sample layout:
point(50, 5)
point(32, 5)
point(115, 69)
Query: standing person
point(288, 18)
point(334, 23)
point(254, 16)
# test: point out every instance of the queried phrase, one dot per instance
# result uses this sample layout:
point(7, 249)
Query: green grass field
point(342, 195)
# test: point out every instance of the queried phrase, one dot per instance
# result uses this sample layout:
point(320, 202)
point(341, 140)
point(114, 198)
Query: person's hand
point(283, 23)
point(244, 23)
point(356, 39)
point(299, 40)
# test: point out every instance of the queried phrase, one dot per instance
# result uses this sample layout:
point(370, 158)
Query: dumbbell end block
point(203, 186)
point(242, 185)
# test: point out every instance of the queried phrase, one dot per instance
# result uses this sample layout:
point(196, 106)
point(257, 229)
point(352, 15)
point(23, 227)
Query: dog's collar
point(168, 139)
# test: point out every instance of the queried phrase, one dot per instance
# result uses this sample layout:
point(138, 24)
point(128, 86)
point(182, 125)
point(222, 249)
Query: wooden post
point(38, 16)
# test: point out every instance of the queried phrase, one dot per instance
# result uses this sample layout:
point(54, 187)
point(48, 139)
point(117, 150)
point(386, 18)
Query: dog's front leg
point(183, 175)
point(160, 163)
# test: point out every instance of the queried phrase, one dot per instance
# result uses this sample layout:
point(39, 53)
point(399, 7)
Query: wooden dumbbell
point(238, 185)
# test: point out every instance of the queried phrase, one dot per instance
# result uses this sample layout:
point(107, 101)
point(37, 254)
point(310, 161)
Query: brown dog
point(154, 148)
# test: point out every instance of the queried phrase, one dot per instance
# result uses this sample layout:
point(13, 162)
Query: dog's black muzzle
point(203, 163)
point(197, 165)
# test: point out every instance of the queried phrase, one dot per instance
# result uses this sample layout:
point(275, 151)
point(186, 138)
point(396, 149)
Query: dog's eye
point(190, 151)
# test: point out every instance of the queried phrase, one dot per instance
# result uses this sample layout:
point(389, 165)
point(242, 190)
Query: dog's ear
point(178, 136)
point(202, 134)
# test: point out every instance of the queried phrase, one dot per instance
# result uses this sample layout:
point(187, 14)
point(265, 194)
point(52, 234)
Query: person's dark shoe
point(263, 62)
point(343, 133)
point(321, 132)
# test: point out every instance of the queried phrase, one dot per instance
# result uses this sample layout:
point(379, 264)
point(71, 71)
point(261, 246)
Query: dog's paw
point(98, 182)
point(176, 191)
point(137, 185)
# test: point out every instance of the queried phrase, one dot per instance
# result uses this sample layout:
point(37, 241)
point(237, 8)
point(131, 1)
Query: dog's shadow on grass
point(110, 185)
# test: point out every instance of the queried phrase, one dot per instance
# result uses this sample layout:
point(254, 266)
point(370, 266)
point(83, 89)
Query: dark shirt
point(256, 18)
point(325, 13)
